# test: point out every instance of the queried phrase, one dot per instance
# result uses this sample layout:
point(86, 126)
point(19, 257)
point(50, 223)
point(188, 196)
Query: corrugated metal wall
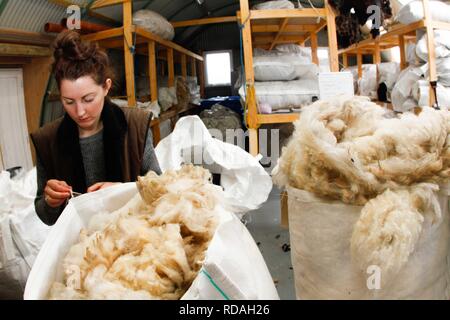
point(30, 15)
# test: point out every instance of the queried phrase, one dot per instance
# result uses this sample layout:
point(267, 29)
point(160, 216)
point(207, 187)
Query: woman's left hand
point(101, 185)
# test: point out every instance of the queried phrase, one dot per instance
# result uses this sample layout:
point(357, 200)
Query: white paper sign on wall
point(332, 84)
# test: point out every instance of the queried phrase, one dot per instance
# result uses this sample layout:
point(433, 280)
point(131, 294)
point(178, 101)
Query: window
point(218, 68)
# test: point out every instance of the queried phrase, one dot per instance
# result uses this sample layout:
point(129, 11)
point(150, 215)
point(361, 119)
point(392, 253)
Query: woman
point(96, 144)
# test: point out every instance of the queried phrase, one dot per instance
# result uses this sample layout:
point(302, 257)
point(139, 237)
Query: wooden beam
point(282, 26)
point(102, 35)
point(14, 60)
point(359, 62)
point(107, 3)
point(286, 13)
point(150, 36)
point(170, 68)
point(198, 22)
point(152, 71)
point(345, 60)
point(278, 118)
point(193, 68)
point(332, 37)
point(403, 62)
point(25, 37)
point(261, 28)
point(7, 49)
point(314, 47)
point(281, 39)
point(129, 57)
point(431, 49)
point(201, 78)
point(36, 75)
point(183, 66)
point(252, 111)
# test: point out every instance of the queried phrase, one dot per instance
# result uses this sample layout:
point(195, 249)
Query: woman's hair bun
point(75, 58)
point(68, 46)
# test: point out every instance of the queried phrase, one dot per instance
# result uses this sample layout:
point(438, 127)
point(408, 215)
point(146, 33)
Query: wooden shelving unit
point(398, 36)
point(267, 28)
point(136, 40)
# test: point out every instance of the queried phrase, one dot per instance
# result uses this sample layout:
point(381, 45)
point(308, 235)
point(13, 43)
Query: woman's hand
point(101, 185)
point(56, 192)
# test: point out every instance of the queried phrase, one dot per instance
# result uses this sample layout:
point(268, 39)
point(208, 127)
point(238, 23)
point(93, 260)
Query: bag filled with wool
point(321, 232)
point(245, 182)
point(164, 237)
point(385, 168)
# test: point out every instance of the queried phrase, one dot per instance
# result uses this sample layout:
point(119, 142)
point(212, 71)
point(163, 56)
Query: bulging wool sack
point(352, 150)
point(321, 232)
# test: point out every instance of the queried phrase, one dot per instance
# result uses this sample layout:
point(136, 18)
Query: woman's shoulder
point(48, 130)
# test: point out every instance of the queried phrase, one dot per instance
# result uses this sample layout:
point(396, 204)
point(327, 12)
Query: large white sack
point(246, 184)
point(441, 42)
point(413, 12)
point(285, 94)
point(421, 93)
point(277, 4)
point(22, 233)
point(276, 68)
point(402, 93)
point(388, 73)
point(155, 23)
point(233, 269)
point(320, 233)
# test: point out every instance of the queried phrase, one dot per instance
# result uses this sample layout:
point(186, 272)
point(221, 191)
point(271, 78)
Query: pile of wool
point(152, 248)
point(353, 150)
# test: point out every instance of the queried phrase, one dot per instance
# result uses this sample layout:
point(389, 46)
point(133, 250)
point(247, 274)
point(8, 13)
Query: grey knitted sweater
point(94, 168)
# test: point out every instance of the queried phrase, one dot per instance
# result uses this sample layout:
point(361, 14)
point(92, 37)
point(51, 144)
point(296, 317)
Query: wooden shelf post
point(332, 37)
point(129, 57)
point(314, 46)
point(170, 68)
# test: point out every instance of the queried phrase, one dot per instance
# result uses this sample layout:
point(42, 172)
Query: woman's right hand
point(56, 192)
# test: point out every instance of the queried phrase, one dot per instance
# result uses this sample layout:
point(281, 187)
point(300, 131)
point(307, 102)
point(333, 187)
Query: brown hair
point(74, 58)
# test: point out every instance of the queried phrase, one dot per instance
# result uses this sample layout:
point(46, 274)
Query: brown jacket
point(124, 134)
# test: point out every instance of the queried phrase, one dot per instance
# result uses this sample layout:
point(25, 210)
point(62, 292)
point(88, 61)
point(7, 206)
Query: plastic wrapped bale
point(194, 89)
point(167, 97)
point(441, 42)
point(277, 4)
point(221, 118)
point(421, 93)
point(413, 12)
point(277, 95)
point(273, 68)
point(183, 94)
point(155, 23)
point(22, 233)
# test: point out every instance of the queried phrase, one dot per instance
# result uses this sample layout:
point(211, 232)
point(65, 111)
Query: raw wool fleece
point(152, 248)
point(355, 151)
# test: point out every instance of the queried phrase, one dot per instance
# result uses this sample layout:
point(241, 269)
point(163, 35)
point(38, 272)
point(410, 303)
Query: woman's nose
point(80, 110)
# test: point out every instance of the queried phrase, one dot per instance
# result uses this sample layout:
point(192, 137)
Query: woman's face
point(83, 100)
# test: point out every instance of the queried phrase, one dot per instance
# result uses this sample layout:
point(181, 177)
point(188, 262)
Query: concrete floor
point(264, 225)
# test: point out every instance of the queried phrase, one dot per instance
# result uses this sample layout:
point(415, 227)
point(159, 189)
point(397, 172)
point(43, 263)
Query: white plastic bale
point(320, 233)
point(441, 42)
point(421, 93)
point(278, 95)
point(155, 23)
point(277, 4)
point(413, 12)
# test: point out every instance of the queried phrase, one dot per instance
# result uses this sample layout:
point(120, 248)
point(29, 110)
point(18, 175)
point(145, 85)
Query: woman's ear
point(107, 86)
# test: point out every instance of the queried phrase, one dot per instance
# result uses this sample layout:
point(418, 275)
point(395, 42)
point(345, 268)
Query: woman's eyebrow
point(88, 94)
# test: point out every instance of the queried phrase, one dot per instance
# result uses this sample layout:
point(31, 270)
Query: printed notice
point(332, 84)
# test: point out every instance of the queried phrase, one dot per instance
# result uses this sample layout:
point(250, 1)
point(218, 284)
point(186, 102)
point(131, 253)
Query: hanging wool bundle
point(152, 248)
point(353, 150)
